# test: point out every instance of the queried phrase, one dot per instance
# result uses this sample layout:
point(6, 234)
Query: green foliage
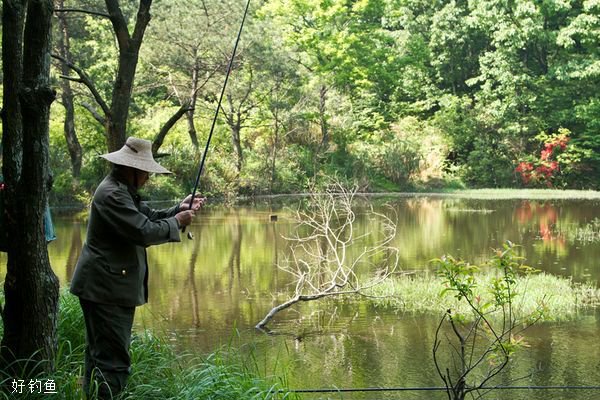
point(488, 164)
point(482, 338)
point(560, 298)
point(459, 277)
point(160, 373)
point(323, 87)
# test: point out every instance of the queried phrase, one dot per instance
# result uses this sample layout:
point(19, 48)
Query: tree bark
point(323, 117)
point(236, 131)
point(193, 100)
point(129, 48)
point(234, 120)
point(73, 145)
point(274, 150)
point(31, 287)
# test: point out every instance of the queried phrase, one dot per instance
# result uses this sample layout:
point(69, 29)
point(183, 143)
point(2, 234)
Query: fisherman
point(111, 275)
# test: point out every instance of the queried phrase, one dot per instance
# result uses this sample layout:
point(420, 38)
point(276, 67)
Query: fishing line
point(428, 389)
point(214, 121)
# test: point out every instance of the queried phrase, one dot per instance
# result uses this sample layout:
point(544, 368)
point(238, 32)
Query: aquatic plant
point(477, 350)
point(419, 292)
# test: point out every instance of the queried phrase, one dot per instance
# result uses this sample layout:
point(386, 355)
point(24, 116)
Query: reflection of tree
point(234, 258)
point(75, 249)
point(274, 239)
point(544, 217)
point(192, 281)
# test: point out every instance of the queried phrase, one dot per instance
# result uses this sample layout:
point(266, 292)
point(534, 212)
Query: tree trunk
point(67, 94)
point(121, 98)
point(234, 120)
point(31, 287)
point(192, 128)
point(323, 118)
point(274, 150)
point(190, 114)
point(129, 48)
point(236, 131)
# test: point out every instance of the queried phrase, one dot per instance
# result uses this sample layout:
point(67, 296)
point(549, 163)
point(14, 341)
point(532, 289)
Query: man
point(111, 275)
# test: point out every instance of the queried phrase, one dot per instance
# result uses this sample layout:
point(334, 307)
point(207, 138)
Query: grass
point(501, 194)
point(549, 297)
point(158, 372)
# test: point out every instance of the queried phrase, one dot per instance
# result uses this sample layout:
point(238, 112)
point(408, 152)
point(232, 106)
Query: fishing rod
point(214, 121)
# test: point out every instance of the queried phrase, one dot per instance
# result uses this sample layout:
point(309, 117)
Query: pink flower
point(524, 166)
point(546, 153)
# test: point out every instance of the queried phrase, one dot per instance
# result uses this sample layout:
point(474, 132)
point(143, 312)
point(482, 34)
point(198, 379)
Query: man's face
point(142, 177)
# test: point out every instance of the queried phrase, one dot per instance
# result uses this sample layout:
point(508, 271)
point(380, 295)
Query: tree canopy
point(394, 94)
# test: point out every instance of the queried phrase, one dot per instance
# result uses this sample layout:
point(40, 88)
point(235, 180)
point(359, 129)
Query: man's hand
point(185, 217)
point(198, 202)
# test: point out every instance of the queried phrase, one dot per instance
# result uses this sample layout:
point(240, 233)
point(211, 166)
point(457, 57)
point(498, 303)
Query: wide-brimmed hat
point(136, 153)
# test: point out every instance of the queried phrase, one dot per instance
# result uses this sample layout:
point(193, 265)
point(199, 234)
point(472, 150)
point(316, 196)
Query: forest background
point(393, 94)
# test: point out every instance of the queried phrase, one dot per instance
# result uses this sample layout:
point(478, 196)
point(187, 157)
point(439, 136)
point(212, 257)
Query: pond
point(211, 291)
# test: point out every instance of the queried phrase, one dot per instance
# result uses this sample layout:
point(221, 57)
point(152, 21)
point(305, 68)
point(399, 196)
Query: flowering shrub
point(543, 170)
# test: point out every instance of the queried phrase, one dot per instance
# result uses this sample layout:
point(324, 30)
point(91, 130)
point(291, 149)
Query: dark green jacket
point(112, 267)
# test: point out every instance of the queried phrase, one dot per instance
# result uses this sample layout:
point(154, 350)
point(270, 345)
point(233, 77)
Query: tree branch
point(143, 18)
point(70, 78)
point(118, 22)
point(95, 113)
point(79, 10)
point(160, 137)
point(85, 79)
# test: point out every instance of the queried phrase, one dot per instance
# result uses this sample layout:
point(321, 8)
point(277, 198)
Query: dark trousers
point(107, 336)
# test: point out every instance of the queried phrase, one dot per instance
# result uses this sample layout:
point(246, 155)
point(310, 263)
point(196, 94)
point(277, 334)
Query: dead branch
point(326, 253)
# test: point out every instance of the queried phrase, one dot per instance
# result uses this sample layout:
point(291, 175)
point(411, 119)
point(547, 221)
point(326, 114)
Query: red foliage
point(544, 170)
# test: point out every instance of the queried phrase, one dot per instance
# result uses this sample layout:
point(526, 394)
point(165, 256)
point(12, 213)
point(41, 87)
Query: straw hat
point(136, 153)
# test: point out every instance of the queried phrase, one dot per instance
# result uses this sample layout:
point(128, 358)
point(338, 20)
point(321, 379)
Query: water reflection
point(213, 290)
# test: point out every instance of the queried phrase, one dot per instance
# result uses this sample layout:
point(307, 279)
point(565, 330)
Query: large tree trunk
point(129, 48)
point(67, 94)
point(31, 287)
point(121, 98)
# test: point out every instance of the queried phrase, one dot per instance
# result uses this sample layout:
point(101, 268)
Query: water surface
point(211, 291)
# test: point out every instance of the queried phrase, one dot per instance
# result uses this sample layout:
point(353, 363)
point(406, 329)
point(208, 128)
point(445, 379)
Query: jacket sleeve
point(122, 215)
point(155, 215)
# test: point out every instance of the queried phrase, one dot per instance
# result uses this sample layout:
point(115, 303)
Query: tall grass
point(549, 297)
point(158, 372)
